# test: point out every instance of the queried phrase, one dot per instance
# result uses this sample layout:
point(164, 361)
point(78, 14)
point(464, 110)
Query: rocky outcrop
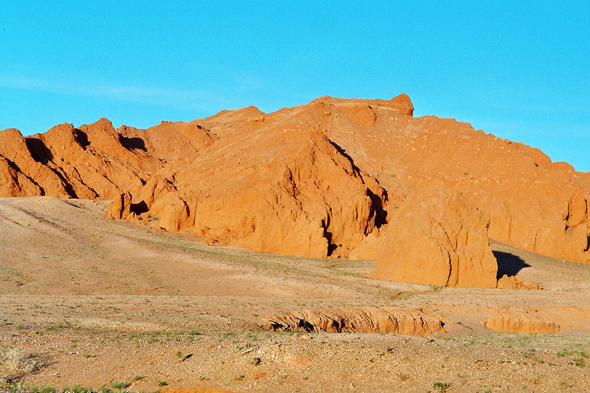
point(173, 212)
point(511, 282)
point(526, 196)
point(21, 174)
point(321, 179)
point(120, 207)
point(301, 196)
point(88, 162)
point(438, 238)
point(371, 320)
point(529, 321)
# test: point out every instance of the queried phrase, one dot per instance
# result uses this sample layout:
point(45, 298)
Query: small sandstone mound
point(296, 361)
point(511, 282)
point(438, 238)
point(407, 322)
point(522, 322)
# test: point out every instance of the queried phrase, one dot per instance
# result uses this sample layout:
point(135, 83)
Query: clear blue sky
point(517, 69)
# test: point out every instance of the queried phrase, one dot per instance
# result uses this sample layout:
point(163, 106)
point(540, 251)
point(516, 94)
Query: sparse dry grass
point(16, 363)
point(152, 309)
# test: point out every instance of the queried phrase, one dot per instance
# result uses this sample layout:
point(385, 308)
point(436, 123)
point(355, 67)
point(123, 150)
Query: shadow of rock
point(38, 150)
point(82, 138)
point(508, 264)
point(132, 143)
point(139, 208)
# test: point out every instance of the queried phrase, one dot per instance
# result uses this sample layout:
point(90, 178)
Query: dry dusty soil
point(107, 304)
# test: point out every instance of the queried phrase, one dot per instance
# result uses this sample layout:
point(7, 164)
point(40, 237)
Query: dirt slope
point(123, 301)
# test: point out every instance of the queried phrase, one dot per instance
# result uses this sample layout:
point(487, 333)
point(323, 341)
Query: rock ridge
point(331, 178)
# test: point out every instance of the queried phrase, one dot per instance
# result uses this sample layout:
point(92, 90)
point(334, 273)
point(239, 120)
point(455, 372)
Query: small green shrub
point(119, 384)
point(441, 386)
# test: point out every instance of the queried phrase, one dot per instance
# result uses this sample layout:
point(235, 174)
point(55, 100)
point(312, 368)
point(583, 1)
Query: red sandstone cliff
point(319, 179)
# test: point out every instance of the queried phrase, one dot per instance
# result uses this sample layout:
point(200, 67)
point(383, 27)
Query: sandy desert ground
point(111, 304)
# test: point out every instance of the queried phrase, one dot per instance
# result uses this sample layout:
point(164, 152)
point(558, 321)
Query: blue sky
point(517, 69)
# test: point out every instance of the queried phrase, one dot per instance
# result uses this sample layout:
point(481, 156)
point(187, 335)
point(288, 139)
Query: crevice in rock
point(346, 155)
point(377, 208)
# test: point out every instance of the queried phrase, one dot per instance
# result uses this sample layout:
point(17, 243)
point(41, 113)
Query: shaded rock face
point(438, 238)
point(321, 179)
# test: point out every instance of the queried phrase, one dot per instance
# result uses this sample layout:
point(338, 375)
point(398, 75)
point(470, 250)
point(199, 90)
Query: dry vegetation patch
point(17, 363)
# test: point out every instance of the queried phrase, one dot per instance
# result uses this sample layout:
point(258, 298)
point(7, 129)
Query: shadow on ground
point(509, 264)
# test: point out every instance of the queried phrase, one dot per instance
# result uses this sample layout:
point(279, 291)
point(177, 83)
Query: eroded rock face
point(529, 321)
point(372, 320)
point(438, 238)
point(88, 162)
point(120, 207)
point(321, 179)
point(304, 200)
point(20, 173)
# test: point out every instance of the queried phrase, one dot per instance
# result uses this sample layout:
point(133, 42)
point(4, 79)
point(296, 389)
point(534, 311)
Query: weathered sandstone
point(511, 282)
point(373, 320)
point(321, 179)
point(529, 321)
point(120, 207)
point(438, 238)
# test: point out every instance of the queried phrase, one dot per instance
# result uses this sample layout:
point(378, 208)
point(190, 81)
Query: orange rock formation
point(373, 320)
point(321, 179)
point(529, 321)
point(437, 237)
